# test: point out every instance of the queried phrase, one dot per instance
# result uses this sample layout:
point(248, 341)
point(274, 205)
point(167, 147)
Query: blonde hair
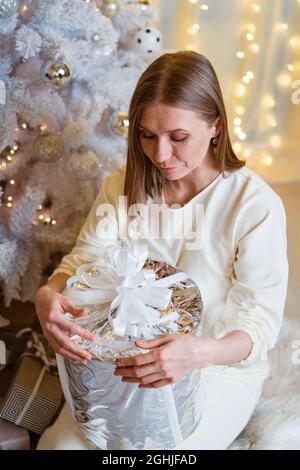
point(186, 80)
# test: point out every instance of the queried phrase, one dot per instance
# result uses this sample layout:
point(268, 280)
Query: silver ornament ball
point(8, 8)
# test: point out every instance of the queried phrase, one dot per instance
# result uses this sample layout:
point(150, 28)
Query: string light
point(240, 90)
point(43, 128)
point(8, 201)
point(268, 101)
point(8, 156)
point(284, 79)
point(9, 204)
point(256, 8)
point(242, 136)
point(44, 218)
point(255, 47)
point(239, 110)
point(275, 141)
point(237, 121)
point(237, 130)
point(282, 26)
point(24, 8)
point(237, 147)
point(271, 121)
point(251, 28)
point(194, 29)
point(267, 160)
point(247, 55)
point(190, 47)
point(295, 41)
point(247, 153)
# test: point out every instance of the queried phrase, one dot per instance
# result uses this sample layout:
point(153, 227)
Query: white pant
point(231, 397)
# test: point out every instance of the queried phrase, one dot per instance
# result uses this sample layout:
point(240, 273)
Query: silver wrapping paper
point(116, 415)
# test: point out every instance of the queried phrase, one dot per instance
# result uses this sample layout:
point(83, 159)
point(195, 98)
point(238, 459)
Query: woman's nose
point(162, 153)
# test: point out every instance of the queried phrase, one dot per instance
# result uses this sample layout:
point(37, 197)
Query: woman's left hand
point(172, 358)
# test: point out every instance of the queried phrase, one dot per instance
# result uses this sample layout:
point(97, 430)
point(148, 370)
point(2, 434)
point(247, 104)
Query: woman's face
point(175, 140)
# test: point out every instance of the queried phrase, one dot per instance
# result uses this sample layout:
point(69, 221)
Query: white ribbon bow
point(119, 278)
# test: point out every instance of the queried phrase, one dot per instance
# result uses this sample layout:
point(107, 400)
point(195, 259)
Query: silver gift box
point(116, 415)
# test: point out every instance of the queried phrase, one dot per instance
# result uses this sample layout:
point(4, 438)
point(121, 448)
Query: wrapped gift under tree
point(34, 395)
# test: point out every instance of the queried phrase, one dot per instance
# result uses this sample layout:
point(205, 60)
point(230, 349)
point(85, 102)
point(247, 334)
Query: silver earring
point(215, 141)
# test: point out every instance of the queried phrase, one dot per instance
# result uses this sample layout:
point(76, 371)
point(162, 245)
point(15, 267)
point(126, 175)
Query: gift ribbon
point(172, 414)
point(134, 292)
point(37, 349)
point(39, 352)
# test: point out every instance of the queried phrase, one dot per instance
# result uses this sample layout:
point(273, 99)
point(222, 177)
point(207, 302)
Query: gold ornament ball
point(110, 8)
point(56, 72)
point(48, 148)
point(84, 164)
point(119, 123)
point(144, 3)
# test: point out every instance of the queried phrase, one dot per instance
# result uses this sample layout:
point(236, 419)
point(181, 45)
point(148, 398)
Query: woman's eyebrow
point(173, 130)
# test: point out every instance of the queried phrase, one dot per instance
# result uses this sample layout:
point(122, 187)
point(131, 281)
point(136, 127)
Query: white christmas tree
point(67, 70)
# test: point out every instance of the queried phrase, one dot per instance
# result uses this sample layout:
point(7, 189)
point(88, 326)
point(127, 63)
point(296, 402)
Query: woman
point(179, 152)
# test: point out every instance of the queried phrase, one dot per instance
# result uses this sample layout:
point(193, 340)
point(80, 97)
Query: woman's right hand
point(50, 308)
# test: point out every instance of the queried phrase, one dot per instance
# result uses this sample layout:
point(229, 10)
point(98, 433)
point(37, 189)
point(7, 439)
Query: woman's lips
point(169, 168)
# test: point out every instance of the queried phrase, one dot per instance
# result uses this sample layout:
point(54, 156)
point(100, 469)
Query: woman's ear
point(218, 126)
